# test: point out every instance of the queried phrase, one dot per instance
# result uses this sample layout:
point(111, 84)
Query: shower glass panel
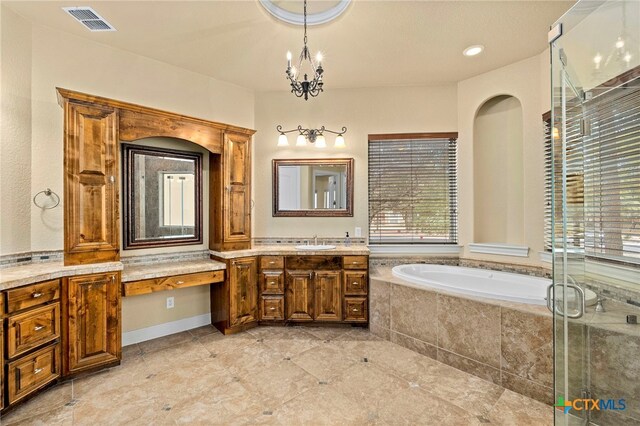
point(595, 115)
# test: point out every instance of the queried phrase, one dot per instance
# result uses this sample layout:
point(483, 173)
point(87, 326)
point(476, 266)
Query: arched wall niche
point(498, 172)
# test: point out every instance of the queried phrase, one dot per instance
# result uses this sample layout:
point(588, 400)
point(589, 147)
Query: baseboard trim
point(165, 329)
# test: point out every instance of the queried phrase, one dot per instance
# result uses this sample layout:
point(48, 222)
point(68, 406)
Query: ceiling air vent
point(89, 18)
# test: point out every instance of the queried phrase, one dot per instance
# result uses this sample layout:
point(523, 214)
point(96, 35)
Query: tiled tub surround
point(509, 344)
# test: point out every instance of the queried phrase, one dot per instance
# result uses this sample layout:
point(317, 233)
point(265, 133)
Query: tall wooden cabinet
point(234, 305)
point(91, 231)
point(91, 316)
point(231, 194)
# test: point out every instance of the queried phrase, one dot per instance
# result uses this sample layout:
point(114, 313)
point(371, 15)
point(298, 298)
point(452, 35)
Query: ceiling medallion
point(306, 87)
point(318, 18)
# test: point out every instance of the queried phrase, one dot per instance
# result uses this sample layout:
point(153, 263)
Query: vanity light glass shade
point(282, 140)
point(321, 142)
point(340, 142)
point(301, 140)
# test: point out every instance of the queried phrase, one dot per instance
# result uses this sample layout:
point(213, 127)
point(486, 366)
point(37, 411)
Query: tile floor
point(278, 375)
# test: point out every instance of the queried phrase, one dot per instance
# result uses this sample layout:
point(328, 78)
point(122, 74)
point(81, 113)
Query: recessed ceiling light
point(473, 50)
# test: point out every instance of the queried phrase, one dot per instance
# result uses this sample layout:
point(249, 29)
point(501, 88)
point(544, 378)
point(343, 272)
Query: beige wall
point(36, 60)
point(362, 111)
point(524, 81)
point(498, 172)
point(15, 134)
point(64, 60)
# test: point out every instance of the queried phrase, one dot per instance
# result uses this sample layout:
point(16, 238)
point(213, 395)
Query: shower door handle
point(551, 303)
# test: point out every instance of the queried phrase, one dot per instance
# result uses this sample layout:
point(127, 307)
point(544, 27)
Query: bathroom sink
point(316, 247)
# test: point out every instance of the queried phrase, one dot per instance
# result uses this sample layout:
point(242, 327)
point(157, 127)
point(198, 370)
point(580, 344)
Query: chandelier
point(314, 136)
point(305, 88)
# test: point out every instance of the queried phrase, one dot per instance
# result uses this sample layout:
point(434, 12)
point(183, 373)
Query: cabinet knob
point(180, 282)
point(37, 371)
point(36, 295)
point(112, 179)
point(38, 327)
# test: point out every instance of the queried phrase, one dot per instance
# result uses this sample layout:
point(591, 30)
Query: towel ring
point(49, 193)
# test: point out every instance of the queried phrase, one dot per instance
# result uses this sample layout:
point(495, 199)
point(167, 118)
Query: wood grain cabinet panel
point(355, 309)
point(272, 308)
point(33, 371)
point(356, 262)
point(1, 359)
point(328, 298)
point(272, 282)
point(91, 184)
point(92, 321)
point(32, 295)
point(243, 291)
point(355, 282)
point(271, 262)
point(152, 285)
point(33, 328)
point(299, 293)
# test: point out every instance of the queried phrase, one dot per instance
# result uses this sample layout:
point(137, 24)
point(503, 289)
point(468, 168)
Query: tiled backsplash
point(270, 241)
point(27, 258)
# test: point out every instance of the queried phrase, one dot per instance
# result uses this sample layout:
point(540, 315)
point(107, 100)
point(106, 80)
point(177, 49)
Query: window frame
point(417, 246)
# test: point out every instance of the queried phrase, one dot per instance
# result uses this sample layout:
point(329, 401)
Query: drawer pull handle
point(36, 295)
point(272, 308)
point(355, 262)
point(272, 262)
point(355, 283)
point(180, 282)
point(37, 371)
point(272, 282)
point(38, 327)
point(355, 309)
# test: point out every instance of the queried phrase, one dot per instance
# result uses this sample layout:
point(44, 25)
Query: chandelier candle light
point(305, 88)
point(315, 136)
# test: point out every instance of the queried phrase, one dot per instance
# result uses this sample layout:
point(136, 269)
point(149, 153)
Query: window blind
point(603, 176)
point(612, 174)
point(413, 191)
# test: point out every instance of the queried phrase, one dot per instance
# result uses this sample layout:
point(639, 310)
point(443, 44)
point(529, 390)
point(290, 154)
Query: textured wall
point(15, 134)
point(362, 111)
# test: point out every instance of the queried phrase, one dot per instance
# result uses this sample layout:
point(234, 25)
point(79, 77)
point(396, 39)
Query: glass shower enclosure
point(595, 197)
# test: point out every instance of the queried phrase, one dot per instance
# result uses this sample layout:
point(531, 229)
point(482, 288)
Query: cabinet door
point(92, 318)
point(328, 306)
point(299, 295)
point(243, 289)
point(91, 185)
point(237, 170)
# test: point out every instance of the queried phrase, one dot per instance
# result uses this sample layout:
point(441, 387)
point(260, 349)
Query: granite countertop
point(17, 276)
point(145, 271)
point(290, 250)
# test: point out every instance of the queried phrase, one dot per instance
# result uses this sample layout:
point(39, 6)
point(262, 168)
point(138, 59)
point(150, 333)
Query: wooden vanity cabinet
point(230, 193)
point(91, 229)
point(91, 322)
point(299, 295)
point(234, 305)
point(271, 284)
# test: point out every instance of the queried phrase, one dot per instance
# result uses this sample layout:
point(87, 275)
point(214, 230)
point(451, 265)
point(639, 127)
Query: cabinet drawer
point(32, 295)
point(272, 308)
point(271, 262)
point(355, 309)
point(355, 282)
point(272, 282)
point(314, 263)
point(152, 285)
point(33, 328)
point(356, 262)
point(29, 373)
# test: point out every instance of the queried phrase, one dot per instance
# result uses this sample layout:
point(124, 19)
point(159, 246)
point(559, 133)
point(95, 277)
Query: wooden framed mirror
point(162, 197)
point(313, 187)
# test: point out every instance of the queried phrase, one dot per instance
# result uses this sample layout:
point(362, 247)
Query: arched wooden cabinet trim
point(93, 129)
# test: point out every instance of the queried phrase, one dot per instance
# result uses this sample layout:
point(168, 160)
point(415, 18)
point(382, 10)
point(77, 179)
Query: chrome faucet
point(315, 240)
